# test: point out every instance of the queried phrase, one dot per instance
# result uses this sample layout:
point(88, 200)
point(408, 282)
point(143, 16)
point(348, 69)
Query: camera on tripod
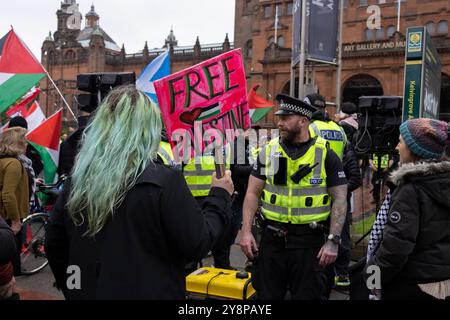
point(379, 122)
point(99, 85)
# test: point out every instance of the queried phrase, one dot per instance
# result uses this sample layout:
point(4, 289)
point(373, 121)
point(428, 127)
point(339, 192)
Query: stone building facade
point(373, 60)
point(74, 49)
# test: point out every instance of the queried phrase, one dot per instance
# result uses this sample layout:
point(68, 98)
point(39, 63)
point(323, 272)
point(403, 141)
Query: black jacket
point(7, 243)
point(142, 251)
point(416, 239)
point(68, 152)
point(351, 169)
point(36, 160)
point(69, 148)
point(241, 170)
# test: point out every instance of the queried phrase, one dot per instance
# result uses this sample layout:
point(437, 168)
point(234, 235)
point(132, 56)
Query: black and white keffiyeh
point(28, 165)
point(377, 231)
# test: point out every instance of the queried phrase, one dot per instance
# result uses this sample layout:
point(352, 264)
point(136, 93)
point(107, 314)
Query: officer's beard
point(290, 135)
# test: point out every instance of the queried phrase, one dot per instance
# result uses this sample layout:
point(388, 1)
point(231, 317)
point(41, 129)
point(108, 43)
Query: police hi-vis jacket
point(166, 154)
point(302, 203)
point(384, 161)
point(332, 132)
point(198, 172)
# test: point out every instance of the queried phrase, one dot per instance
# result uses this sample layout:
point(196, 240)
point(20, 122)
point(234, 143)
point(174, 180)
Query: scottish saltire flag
point(157, 69)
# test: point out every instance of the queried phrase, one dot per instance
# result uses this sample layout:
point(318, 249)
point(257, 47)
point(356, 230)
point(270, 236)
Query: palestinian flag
point(209, 112)
point(19, 70)
point(34, 116)
point(22, 108)
point(259, 107)
point(45, 139)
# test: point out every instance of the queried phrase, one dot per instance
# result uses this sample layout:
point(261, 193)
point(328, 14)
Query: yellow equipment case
point(213, 283)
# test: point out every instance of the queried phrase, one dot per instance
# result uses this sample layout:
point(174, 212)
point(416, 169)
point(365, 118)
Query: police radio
point(303, 171)
point(280, 177)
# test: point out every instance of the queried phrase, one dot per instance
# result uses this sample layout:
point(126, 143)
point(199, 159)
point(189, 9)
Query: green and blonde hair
point(119, 143)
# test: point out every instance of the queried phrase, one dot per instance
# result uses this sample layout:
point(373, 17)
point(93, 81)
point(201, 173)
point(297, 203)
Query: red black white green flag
point(45, 139)
point(259, 107)
point(19, 70)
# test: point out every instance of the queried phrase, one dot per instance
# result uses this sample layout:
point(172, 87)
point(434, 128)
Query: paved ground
point(40, 286)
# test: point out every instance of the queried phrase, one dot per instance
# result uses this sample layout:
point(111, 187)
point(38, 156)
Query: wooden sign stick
point(220, 163)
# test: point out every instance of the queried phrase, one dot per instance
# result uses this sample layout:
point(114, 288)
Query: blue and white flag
point(157, 69)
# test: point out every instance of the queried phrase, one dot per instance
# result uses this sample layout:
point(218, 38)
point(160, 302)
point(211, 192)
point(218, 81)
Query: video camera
point(99, 85)
point(379, 120)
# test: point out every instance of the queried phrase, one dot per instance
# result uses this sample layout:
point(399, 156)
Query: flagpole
point(48, 75)
point(398, 14)
point(276, 24)
point(339, 70)
point(301, 77)
point(62, 97)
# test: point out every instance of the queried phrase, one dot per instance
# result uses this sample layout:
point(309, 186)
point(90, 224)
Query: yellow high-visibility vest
point(333, 133)
point(384, 161)
point(165, 153)
point(198, 173)
point(302, 203)
point(254, 152)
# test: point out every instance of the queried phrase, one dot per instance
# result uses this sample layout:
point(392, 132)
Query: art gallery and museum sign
point(374, 46)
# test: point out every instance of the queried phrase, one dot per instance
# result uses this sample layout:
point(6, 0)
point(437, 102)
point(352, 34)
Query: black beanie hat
point(18, 122)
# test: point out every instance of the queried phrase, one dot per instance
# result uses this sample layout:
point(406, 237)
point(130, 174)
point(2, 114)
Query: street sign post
point(422, 76)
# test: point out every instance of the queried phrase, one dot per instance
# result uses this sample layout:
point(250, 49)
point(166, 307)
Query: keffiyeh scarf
point(28, 165)
point(377, 231)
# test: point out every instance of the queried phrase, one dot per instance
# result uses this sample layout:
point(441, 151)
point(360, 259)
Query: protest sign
point(205, 103)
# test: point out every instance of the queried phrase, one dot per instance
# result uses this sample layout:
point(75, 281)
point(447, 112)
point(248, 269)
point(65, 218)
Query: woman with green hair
point(126, 223)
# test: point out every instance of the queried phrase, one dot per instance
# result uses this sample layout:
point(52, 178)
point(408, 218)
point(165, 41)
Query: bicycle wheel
point(32, 256)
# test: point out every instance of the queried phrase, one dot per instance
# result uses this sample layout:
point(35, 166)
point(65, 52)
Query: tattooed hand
point(338, 209)
point(328, 254)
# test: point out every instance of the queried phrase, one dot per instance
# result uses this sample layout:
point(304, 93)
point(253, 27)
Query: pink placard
point(207, 97)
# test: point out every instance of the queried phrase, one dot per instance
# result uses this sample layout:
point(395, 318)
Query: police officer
point(324, 127)
point(380, 164)
point(165, 153)
point(198, 175)
point(385, 163)
point(296, 176)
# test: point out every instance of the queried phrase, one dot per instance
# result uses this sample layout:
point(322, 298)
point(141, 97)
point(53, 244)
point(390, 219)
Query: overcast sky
point(127, 21)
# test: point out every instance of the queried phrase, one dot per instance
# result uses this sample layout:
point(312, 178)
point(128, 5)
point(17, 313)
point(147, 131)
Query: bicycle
point(32, 256)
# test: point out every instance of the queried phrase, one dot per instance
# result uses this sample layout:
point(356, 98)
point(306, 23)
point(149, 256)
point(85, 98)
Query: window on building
point(368, 34)
point(247, 4)
point(380, 34)
point(70, 55)
point(363, 3)
point(281, 41)
point(249, 49)
point(390, 31)
point(443, 27)
point(267, 11)
point(279, 10)
point(290, 8)
point(431, 27)
point(381, 1)
point(271, 40)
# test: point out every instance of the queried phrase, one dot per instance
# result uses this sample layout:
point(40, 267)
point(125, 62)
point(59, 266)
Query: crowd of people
point(136, 222)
